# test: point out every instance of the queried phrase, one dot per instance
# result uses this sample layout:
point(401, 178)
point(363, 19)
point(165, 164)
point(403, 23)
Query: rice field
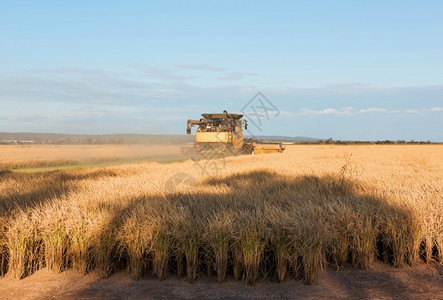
point(245, 217)
point(54, 157)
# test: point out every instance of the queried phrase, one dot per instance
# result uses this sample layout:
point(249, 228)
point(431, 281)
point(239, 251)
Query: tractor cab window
point(207, 127)
point(220, 125)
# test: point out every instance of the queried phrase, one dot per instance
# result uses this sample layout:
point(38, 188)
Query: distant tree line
point(60, 139)
point(331, 141)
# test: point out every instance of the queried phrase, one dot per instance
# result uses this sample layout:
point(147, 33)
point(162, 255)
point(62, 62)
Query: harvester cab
point(224, 132)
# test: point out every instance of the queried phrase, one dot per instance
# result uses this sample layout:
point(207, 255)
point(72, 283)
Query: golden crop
point(47, 156)
point(247, 216)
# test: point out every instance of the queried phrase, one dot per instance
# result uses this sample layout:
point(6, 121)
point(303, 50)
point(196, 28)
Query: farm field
point(56, 156)
point(295, 217)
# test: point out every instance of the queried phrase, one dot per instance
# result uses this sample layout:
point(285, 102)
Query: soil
point(424, 281)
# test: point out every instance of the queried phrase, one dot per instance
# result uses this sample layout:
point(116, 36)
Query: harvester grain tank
point(224, 132)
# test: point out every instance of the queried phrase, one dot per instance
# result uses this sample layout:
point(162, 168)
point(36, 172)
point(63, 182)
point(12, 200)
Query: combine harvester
point(223, 133)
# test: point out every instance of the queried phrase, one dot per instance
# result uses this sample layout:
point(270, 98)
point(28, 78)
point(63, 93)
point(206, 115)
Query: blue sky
point(341, 69)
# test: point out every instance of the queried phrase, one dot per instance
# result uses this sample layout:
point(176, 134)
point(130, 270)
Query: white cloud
point(201, 67)
point(289, 114)
point(372, 110)
point(348, 111)
point(140, 92)
point(236, 75)
point(327, 111)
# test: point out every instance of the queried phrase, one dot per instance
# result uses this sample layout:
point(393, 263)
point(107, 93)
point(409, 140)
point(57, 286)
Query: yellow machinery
point(224, 132)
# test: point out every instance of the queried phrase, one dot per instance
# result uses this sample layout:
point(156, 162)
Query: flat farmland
point(334, 217)
point(53, 156)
